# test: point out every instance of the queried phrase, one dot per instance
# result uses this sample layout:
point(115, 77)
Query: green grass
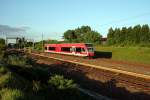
point(131, 54)
point(16, 60)
point(19, 81)
point(11, 94)
point(61, 83)
point(3, 70)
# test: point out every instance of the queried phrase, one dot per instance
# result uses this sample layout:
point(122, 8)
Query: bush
point(11, 80)
point(4, 80)
point(2, 52)
point(3, 70)
point(65, 89)
point(11, 94)
point(2, 48)
point(36, 86)
point(60, 83)
point(15, 60)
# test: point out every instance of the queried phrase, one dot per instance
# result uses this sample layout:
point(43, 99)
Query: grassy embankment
point(21, 79)
point(130, 54)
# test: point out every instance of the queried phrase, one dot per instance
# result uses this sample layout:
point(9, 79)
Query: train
point(76, 49)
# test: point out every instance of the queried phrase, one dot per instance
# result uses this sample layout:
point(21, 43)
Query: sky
point(52, 18)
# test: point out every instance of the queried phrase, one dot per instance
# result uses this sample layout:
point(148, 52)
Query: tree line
point(2, 49)
point(82, 34)
point(138, 35)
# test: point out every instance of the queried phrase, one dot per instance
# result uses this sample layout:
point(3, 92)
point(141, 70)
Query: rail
point(100, 67)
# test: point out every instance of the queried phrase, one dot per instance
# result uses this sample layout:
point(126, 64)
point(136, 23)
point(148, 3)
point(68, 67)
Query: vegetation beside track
point(21, 79)
point(130, 54)
point(138, 35)
point(139, 55)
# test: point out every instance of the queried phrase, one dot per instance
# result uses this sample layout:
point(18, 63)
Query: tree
point(2, 44)
point(144, 33)
point(117, 36)
point(123, 36)
point(70, 35)
point(138, 35)
point(21, 42)
point(2, 41)
point(83, 34)
point(129, 39)
point(92, 37)
point(110, 36)
point(2, 48)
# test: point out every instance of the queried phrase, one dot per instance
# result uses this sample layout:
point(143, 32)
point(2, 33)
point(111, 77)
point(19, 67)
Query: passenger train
point(76, 49)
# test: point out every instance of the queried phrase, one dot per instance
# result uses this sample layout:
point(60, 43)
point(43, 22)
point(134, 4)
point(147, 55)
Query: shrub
point(3, 70)
point(60, 83)
point(4, 80)
point(2, 49)
point(65, 89)
point(15, 60)
point(36, 86)
point(11, 94)
point(11, 80)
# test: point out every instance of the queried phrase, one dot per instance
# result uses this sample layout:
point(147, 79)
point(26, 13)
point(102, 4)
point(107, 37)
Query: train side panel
point(77, 49)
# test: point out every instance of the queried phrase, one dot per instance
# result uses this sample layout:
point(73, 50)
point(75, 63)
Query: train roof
point(69, 44)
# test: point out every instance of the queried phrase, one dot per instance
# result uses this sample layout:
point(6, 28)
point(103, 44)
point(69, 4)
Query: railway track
point(128, 80)
point(99, 67)
point(135, 80)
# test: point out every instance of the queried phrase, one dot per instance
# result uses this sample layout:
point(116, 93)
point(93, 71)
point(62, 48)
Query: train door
point(46, 48)
point(73, 50)
point(81, 51)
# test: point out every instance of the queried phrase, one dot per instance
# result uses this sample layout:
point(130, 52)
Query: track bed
point(111, 84)
point(121, 65)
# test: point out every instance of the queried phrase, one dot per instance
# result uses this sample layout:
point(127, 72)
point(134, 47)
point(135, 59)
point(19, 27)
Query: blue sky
point(53, 17)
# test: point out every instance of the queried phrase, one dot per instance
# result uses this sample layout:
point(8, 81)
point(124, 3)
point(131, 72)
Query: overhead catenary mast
point(42, 43)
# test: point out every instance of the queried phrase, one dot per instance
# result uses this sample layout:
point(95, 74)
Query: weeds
point(21, 81)
point(61, 83)
point(3, 70)
point(15, 60)
point(11, 94)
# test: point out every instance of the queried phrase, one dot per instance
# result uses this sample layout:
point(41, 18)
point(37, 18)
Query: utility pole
point(33, 44)
point(42, 43)
point(5, 35)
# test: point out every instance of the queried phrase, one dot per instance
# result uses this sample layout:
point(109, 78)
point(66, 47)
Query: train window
point(78, 49)
point(51, 48)
point(83, 50)
point(89, 45)
point(45, 48)
point(90, 49)
point(65, 49)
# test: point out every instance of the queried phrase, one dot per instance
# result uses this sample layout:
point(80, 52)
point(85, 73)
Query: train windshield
point(89, 45)
point(90, 49)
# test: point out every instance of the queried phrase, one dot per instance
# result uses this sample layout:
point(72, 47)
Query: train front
point(90, 49)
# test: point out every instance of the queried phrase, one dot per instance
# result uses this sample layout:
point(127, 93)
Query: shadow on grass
point(108, 88)
point(101, 54)
point(79, 75)
point(40, 89)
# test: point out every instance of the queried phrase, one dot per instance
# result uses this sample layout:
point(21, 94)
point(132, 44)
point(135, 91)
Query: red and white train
point(77, 49)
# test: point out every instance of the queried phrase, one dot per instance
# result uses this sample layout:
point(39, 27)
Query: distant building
point(103, 40)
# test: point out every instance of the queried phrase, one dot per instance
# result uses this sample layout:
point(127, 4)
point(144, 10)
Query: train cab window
point(90, 49)
point(82, 50)
point(78, 49)
point(45, 48)
point(66, 49)
point(89, 45)
point(51, 48)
